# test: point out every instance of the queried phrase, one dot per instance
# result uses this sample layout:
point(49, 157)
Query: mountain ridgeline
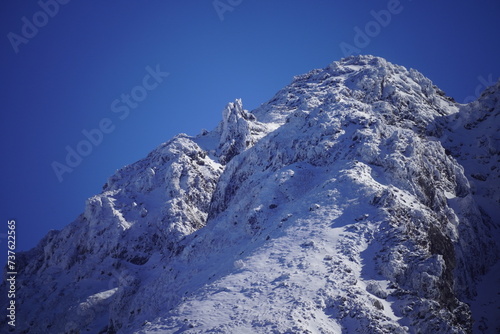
point(359, 199)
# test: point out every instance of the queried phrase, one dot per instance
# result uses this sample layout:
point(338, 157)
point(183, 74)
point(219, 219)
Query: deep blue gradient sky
point(64, 79)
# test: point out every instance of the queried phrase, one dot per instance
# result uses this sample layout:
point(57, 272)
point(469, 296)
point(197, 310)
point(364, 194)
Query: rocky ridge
point(360, 198)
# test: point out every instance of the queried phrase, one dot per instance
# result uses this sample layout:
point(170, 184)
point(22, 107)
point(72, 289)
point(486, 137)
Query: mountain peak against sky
point(363, 78)
point(359, 198)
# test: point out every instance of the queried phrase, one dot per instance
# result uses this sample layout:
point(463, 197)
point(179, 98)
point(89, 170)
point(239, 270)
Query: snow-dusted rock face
point(238, 130)
point(359, 199)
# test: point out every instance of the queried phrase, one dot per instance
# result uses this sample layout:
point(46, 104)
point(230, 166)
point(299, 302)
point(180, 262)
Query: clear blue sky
point(69, 73)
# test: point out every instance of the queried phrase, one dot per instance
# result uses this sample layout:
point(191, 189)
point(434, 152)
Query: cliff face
point(359, 198)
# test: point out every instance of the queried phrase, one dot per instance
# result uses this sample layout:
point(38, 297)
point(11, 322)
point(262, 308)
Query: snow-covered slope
point(358, 199)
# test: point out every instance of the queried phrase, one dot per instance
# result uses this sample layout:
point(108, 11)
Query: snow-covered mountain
point(359, 199)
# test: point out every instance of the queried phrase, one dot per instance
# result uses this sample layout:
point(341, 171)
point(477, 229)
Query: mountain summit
point(360, 198)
